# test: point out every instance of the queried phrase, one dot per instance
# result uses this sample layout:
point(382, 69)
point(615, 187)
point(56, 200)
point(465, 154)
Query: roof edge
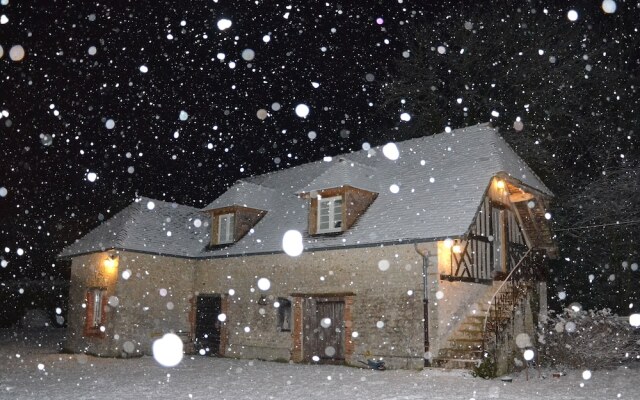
point(397, 242)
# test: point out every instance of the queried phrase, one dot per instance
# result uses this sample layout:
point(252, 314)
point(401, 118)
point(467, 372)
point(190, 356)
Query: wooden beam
point(520, 196)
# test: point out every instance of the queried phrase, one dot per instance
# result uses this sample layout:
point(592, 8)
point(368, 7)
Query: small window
point(284, 315)
point(226, 228)
point(95, 316)
point(330, 214)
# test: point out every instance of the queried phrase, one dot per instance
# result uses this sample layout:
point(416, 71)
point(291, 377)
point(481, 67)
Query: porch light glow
point(448, 243)
point(110, 263)
point(500, 184)
point(457, 249)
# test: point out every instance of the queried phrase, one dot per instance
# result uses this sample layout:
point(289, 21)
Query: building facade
point(406, 255)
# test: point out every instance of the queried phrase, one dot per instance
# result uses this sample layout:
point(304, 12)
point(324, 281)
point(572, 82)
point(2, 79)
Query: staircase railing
point(506, 298)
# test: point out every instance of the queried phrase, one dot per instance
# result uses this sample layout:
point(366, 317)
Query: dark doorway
point(324, 330)
point(208, 307)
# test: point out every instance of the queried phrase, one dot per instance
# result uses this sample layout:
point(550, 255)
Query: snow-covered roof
point(245, 194)
point(441, 180)
point(344, 173)
point(148, 225)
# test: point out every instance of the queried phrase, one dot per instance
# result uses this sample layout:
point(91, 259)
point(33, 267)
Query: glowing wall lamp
point(456, 248)
point(500, 184)
point(110, 264)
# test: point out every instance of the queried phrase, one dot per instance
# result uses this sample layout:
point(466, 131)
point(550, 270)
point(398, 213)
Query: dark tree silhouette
point(565, 96)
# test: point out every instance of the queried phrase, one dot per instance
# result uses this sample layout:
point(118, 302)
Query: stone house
point(427, 251)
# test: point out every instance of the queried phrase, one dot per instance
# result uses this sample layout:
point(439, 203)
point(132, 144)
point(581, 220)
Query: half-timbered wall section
point(516, 246)
point(494, 244)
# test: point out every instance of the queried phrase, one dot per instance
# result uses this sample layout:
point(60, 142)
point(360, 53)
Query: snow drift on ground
point(30, 367)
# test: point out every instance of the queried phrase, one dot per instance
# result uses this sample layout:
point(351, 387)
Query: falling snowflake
point(224, 24)
point(168, 350)
point(264, 284)
point(390, 150)
point(292, 243)
point(302, 110)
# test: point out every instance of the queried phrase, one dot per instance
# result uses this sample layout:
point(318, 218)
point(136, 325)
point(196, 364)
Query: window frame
point(95, 313)
point(284, 314)
point(229, 228)
point(332, 214)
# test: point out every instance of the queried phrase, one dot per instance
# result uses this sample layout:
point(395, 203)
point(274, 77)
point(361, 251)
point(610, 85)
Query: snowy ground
point(38, 371)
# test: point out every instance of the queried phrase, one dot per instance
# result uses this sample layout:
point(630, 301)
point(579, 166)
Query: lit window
point(225, 228)
point(95, 316)
point(330, 214)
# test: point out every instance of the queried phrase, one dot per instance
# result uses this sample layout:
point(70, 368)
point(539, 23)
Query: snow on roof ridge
point(117, 231)
point(336, 173)
point(482, 126)
point(134, 210)
point(237, 189)
point(501, 146)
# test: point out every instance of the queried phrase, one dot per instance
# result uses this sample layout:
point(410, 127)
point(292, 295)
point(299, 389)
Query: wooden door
point(323, 332)
point(207, 324)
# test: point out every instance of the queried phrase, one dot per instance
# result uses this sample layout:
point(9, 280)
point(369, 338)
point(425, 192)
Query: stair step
point(459, 338)
point(500, 316)
point(462, 348)
point(457, 351)
point(467, 332)
point(450, 363)
point(464, 340)
point(453, 354)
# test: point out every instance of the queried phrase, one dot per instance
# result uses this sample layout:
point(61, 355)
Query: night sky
point(152, 98)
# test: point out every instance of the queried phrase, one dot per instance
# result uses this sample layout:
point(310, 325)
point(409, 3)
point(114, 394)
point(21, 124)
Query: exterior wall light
point(456, 249)
point(500, 184)
point(110, 263)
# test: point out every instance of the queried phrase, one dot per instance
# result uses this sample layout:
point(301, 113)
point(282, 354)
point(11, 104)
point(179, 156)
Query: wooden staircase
point(464, 348)
point(532, 218)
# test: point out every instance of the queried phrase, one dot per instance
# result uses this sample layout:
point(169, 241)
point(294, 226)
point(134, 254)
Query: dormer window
point(339, 196)
point(335, 210)
point(230, 224)
point(330, 214)
point(226, 226)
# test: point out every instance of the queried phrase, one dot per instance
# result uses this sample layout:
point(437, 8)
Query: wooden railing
point(520, 280)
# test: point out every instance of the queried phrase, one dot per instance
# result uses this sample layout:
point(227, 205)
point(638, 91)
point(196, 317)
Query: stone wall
point(520, 334)
point(454, 300)
point(154, 300)
point(89, 271)
point(386, 315)
point(147, 296)
point(151, 295)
